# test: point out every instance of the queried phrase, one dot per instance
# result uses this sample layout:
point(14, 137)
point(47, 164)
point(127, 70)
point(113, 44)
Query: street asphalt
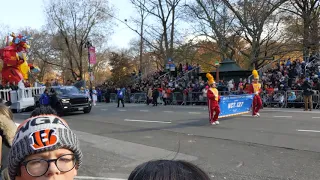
point(282, 144)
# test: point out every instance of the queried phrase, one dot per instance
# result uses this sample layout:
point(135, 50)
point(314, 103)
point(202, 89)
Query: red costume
point(213, 104)
point(213, 101)
point(255, 88)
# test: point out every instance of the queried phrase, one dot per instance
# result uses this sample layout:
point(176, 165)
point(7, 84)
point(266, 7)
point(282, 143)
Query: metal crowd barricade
point(195, 98)
point(227, 93)
point(279, 99)
point(138, 98)
point(300, 99)
point(177, 98)
point(316, 99)
point(274, 99)
point(113, 97)
point(295, 98)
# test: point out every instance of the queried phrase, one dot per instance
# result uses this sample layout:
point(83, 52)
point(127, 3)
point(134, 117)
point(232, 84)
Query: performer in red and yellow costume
point(255, 88)
point(213, 100)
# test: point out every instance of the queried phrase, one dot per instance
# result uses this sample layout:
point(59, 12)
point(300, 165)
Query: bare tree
point(212, 20)
point(308, 11)
point(252, 18)
point(139, 5)
point(160, 35)
point(77, 21)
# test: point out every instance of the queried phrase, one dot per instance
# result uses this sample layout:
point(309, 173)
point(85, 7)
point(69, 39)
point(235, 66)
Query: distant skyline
point(31, 14)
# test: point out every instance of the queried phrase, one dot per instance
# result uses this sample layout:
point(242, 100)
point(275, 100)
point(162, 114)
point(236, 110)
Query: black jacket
point(307, 88)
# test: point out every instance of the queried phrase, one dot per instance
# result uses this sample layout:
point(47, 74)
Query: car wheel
point(87, 110)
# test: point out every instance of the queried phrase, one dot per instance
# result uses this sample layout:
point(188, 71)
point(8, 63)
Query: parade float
point(16, 71)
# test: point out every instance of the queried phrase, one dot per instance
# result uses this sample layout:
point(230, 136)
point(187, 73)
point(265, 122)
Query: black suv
point(67, 99)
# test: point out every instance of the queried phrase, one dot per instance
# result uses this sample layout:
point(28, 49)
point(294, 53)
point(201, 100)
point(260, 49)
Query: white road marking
point(104, 109)
point(305, 130)
point(122, 110)
point(25, 114)
point(168, 111)
point(194, 112)
point(144, 110)
point(291, 111)
point(315, 117)
point(282, 116)
point(246, 115)
point(97, 178)
point(137, 120)
point(18, 124)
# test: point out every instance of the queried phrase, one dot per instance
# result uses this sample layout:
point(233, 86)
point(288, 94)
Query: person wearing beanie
point(213, 100)
point(255, 89)
point(44, 147)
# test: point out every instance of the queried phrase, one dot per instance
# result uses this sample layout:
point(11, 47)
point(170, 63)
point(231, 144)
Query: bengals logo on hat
point(43, 139)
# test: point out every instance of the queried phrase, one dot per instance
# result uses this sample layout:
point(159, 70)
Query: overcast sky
point(29, 13)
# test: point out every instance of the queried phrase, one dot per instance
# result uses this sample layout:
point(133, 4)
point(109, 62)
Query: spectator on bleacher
point(180, 69)
point(316, 85)
point(307, 94)
point(269, 89)
point(197, 67)
point(292, 97)
point(279, 99)
point(230, 85)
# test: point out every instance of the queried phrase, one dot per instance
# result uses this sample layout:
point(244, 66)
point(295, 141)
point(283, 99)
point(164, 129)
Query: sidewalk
point(295, 110)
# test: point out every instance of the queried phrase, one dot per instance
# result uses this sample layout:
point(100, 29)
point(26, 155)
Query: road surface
point(281, 144)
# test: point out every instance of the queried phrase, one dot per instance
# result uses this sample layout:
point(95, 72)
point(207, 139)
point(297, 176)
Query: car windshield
point(67, 90)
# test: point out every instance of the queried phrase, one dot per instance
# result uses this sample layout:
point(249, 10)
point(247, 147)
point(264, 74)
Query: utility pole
point(141, 41)
point(88, 45)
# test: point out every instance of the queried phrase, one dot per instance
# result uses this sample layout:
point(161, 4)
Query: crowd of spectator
point(281, 82)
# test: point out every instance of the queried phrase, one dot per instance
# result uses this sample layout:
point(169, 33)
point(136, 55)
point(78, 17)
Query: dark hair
point(168, 170)
point(43, 110)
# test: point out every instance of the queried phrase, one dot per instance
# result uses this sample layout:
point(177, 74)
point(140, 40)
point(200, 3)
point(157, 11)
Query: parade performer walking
point(255, 88)
point(213, 100)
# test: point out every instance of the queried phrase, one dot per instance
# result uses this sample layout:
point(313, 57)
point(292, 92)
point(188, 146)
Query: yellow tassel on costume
point(255, 74)
point(210, 78)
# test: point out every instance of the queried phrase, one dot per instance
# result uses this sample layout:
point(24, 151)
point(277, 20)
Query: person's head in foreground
point(168, 170)
point(44, 148)
point(43, 110)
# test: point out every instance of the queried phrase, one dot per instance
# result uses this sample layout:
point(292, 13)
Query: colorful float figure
point(15, 60)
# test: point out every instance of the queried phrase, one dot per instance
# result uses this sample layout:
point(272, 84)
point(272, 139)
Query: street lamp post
point(217, 64)
point(88, 45)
